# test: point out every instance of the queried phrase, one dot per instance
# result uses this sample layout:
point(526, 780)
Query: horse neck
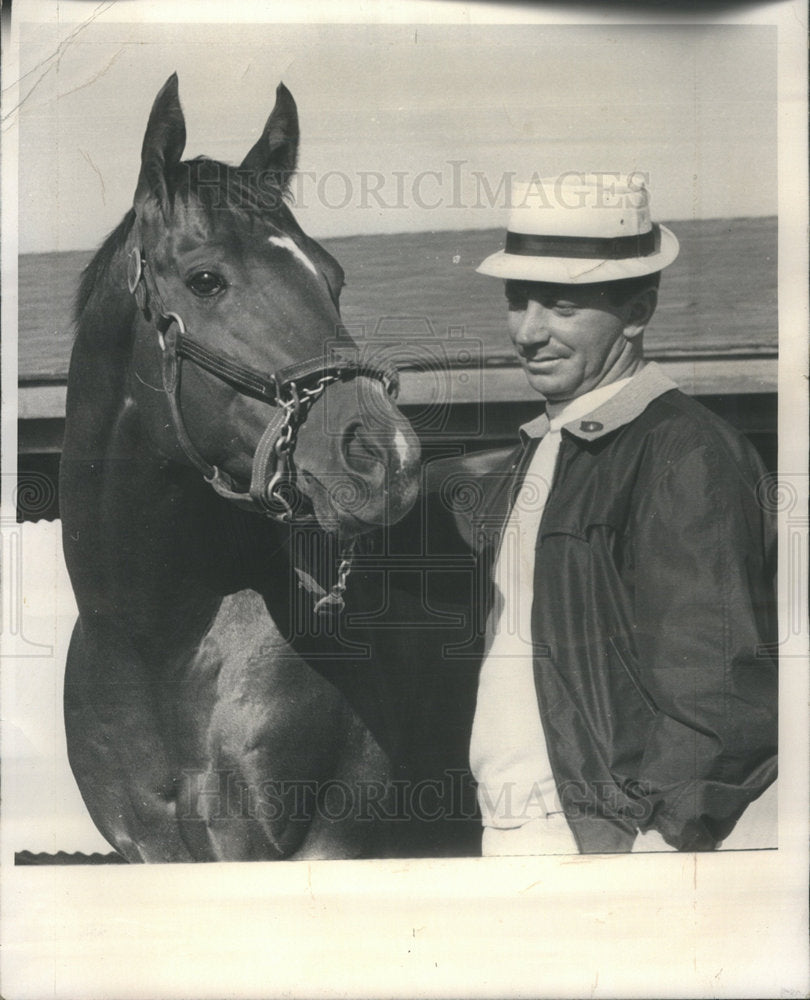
point(153, 550)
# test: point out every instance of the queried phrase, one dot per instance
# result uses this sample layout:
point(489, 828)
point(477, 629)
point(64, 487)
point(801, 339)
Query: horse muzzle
point(368, 474)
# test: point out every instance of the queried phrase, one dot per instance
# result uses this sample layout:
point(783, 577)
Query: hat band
point(585, 247)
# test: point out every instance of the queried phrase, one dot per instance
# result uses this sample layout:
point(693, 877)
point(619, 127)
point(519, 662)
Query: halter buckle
point(163, 325)
point(134, 269)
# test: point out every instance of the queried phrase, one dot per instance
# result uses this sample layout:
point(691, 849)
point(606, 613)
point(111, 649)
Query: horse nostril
point(362, 450)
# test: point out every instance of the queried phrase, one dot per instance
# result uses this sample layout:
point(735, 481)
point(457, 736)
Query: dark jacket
point(654, 612)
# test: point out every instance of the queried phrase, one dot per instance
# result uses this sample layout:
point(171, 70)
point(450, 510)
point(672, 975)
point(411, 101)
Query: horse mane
point(96, 272)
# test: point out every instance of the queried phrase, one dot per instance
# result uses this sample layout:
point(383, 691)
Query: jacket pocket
point(622, 659)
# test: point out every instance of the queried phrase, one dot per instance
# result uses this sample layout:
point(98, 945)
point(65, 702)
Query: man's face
point(570, 338)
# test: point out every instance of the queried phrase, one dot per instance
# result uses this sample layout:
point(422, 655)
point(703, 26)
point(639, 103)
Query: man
point(627, 696)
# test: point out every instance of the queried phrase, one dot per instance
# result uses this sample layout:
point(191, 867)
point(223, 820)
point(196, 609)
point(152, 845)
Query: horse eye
point(206, 284)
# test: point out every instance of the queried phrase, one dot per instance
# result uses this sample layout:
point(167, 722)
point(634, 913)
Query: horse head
point(239, 329)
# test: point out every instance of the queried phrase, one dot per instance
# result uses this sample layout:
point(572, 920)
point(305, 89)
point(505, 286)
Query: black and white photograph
point(404, 500)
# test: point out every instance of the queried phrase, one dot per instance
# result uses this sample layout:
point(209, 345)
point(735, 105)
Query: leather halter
point(290, 391)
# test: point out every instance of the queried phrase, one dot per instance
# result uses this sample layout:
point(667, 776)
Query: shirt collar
point(562, 414)
point(606, 415)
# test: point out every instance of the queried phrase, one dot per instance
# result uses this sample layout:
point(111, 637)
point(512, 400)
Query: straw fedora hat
point(579, 229)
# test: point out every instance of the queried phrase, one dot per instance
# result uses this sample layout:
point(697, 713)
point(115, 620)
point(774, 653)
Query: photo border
point(620, 926)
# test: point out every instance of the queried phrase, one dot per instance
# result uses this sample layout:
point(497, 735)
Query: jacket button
point(589, 426)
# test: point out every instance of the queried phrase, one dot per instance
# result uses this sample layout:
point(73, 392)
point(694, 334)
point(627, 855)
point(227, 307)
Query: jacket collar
point(629, 403)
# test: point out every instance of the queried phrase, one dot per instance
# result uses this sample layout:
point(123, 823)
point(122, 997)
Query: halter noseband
point(291, 391)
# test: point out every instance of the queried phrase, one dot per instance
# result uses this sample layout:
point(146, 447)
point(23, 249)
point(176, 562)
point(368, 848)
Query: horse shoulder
point(268, 732)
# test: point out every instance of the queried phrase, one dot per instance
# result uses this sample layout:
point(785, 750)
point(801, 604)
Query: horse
point(226, 447)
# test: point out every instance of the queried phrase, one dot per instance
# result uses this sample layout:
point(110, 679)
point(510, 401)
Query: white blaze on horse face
point(295, 250)
point(403, 449)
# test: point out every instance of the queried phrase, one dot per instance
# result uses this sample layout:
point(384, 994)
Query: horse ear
point(162, 148)
point(277, 148)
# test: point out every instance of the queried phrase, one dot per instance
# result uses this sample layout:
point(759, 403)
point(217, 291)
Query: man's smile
point(541, 361)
